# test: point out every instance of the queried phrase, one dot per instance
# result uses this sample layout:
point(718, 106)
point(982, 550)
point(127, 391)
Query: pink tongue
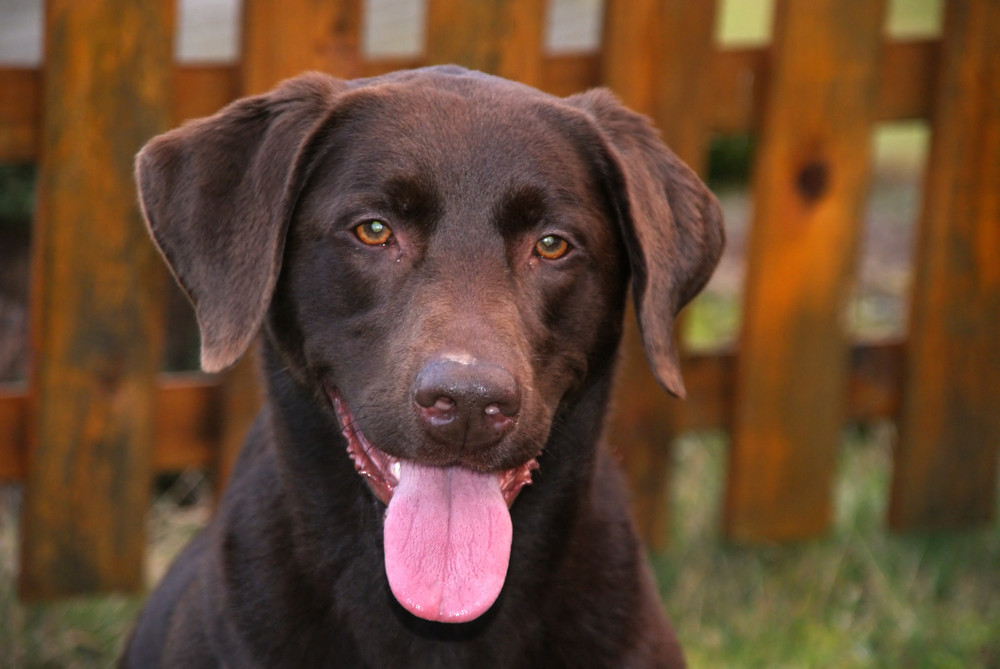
point(447, 542)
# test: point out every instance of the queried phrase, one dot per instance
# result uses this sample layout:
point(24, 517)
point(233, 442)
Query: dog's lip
point(381, 470)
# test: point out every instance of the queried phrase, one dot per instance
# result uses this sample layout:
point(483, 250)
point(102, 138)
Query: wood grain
point(501, 37)
point(739, 78)
point(96, 319)
point(20, 114)
point(628, 51)
point(810, 183)
point(188, 406)
point(668, 78)
point(947, 460)
point(282, 39)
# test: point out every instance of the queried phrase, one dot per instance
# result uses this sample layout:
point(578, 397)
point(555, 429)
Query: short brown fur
point(254, 210)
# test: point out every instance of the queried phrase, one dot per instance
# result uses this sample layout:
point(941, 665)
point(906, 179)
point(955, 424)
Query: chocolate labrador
point(438, 263)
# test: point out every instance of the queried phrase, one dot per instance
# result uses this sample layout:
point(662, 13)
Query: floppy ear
point(672, 225)
point(217, 194)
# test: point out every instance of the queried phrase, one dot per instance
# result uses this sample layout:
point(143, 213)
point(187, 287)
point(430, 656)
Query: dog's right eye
point(373, 233)
point(551, 247)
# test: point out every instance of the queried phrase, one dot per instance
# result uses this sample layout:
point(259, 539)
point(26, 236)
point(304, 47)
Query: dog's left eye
point(373, 233)
point(551, 247)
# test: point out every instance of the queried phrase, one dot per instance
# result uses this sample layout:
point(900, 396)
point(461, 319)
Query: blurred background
point(825, 497)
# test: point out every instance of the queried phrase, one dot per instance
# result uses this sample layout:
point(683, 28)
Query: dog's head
point(441, 257)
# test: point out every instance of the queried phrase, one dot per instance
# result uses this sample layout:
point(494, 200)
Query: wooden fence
point(96, 420)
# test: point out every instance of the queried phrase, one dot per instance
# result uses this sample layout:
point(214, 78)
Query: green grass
point(861, 597)
point(81, 632)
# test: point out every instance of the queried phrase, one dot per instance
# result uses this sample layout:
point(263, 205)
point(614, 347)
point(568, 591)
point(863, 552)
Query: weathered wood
point(739, 77)
point(569, 74)
point(628, 51)
point(203, 90)
point(282, 39)
point(187, 423)
point(642, 428)
point(667, 78)
point(188, 406)
point(810, 182)
point(502, 37)
point(240, 400)
point(657, 57)
point(946, 463)
point(20, 111)
point(13, 431)
point(908, 71)
point(682, 80)
point(96, 325)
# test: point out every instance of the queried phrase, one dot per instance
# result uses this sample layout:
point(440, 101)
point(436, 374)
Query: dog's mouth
point(447, 530)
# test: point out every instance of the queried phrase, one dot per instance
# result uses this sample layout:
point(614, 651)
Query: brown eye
point(373, 233)
point(551, 247)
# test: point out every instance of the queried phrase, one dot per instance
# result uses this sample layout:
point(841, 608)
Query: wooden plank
point(875, 378)
point(738, 80)
point(282, 39)
point(947, 460)
point(188, 424)
point(20, 110)
point(240, 401)
point(682, 78)
point(660, 77)
point(374, 68)
point(203, 90)
point(810, 185)
point(657, 57)
point(502, 37)
point(642, 429)
point(873, 389)
point(565, 75)
point(95, 328)
point(13, 431)
point(628, 53)
point(906, 83)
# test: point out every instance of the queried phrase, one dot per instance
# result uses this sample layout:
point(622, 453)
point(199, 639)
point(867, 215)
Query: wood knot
point(813, 180)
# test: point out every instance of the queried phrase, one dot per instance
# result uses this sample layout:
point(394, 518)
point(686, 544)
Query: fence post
point(96, 320)
point(668, 78)
point(281, 40)
point(501, 37)
point(810, 182)
point(946, 464)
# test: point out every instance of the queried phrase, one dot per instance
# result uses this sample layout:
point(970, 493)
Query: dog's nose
point(466, 404)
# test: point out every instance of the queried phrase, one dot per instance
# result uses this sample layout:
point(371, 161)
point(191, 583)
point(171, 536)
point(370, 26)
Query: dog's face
point(443, 249)
point(441, 259)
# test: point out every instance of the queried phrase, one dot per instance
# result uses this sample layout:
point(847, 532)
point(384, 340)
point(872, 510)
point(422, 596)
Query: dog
point(436, 262)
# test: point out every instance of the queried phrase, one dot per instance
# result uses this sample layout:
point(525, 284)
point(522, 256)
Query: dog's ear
point(217, 194)
point(671, 223)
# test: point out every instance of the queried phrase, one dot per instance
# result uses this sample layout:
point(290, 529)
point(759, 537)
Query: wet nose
point(466, 404)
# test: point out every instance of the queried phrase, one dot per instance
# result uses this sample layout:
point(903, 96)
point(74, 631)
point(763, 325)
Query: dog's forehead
point(461, 124)
point(473, 142)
